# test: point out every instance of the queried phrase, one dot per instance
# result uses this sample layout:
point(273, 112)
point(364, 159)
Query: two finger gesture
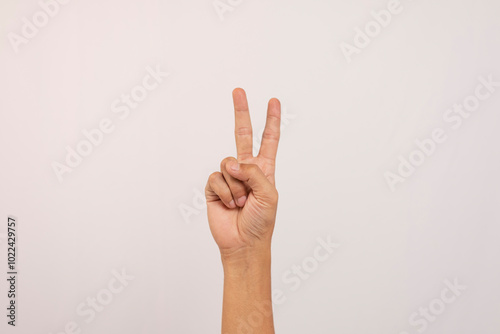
point(242, 198)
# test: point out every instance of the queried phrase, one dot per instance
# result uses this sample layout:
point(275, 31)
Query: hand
point(242, 198)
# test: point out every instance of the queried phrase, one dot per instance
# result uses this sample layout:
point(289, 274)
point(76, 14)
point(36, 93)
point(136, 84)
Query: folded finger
point(217, 188)
point(237, 187)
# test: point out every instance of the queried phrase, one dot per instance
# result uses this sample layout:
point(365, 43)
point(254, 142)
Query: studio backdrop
point(114, 113)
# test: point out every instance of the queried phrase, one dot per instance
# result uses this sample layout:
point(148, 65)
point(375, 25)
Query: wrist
point(250, 258)
point(247, 290)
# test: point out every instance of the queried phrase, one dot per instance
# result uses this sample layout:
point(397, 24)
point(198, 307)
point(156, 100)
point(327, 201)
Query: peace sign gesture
point(242, 198)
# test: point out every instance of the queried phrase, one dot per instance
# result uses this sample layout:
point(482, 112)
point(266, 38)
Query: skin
point(242, 202)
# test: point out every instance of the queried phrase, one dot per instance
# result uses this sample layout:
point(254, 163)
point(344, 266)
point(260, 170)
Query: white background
point(124, 206)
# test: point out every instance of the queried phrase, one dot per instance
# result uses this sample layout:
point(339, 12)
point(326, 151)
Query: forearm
point(247, 304)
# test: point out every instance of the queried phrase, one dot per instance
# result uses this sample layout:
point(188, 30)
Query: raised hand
point(242, 198)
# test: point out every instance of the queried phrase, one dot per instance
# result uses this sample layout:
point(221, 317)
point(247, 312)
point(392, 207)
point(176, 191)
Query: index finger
point(243, 125)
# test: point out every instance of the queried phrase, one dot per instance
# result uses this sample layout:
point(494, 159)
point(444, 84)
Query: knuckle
point(213, 177)
point(274, 196)
point(243, 131)
point(244, 156)
point(225, 161)
point(276, 116)
point(270, 135)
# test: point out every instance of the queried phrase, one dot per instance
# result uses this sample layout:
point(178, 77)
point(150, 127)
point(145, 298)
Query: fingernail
point(234, 165)
point(241, 200)
point(231, 204)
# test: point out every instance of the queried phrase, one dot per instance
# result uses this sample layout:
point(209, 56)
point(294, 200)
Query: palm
point(231, 228)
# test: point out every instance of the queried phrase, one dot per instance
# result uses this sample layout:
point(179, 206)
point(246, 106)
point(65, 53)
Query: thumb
point(255, 178)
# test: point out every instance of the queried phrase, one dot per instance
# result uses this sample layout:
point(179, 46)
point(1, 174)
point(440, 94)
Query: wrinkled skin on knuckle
point(270, 135)
point(243, 131)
